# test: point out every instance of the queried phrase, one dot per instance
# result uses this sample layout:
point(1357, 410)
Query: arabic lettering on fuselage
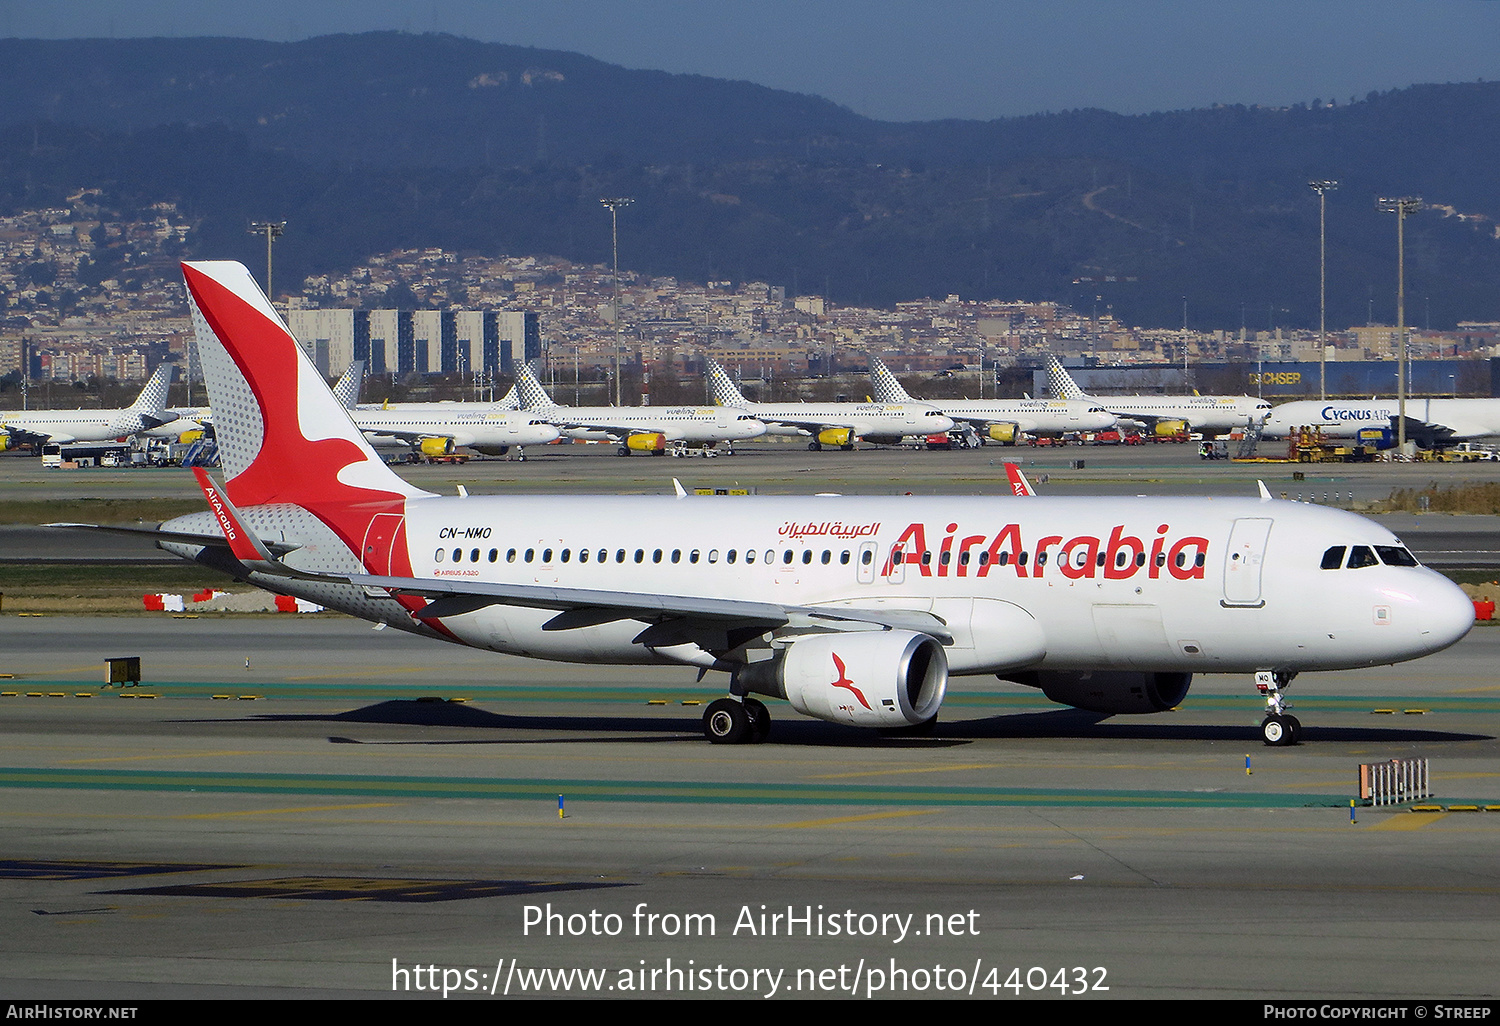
point(832, 529)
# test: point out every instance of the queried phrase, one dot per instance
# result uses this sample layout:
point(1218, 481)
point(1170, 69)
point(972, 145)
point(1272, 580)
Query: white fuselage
point(866, 420)
point(1210, 413)
point(1344, 418)
point(487, 426)
point(1196, 585)
point(70, 425)
point(1034, 416)
point(695, 424)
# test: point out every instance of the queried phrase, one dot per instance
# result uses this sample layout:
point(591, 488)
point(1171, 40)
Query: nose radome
point(1445, 612)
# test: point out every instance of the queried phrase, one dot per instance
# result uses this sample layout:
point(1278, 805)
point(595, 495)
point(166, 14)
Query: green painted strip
point(647, 790)
point(956, 698)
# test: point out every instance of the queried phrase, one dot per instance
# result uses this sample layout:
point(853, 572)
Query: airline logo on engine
point(1119, 556)
point(845, 683)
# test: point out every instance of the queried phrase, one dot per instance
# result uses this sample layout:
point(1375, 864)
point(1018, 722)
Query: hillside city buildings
point(86, 295)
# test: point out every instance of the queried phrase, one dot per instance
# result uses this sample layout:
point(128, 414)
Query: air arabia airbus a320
point(854, 610)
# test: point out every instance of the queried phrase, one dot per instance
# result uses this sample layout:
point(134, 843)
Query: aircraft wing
point(807, 427)
point(413, 437)
point(24, 436)
point(583, 607)
point(618, 432)
point(1429, 432)
point(185, 537)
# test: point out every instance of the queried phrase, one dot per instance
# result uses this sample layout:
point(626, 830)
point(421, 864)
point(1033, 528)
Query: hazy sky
point(906, 59)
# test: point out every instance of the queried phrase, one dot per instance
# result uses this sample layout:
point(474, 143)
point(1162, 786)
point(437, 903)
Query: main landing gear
point(731, 721)
point(1279, 727)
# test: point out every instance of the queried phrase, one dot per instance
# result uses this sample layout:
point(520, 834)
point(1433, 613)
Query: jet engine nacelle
point(5, 440)
point(836, 436)
point(1167, 428)
point(1005, 434)
point(188, 437)
point(436, 446)
point(647, 441)
point(863, 678)
point(1110, 691)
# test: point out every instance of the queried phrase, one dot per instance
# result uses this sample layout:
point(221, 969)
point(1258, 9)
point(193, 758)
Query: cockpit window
point(1396, 555)
point(1333, 558)
point(1361, 556)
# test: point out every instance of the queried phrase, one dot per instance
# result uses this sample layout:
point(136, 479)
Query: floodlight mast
point(614, 203)
point(1322, 187)
point(272, 230)
point(1401, 207)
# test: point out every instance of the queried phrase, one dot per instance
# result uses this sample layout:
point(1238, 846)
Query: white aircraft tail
point(348, 387)
point(887, 388)
point(283, 437)
point(529, 391)
point(1060, 383)
point(509, 400)
point(153, 398)
point(724, 390)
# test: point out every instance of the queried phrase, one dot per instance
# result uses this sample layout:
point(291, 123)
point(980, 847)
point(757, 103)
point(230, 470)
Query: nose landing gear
point(1279, 727)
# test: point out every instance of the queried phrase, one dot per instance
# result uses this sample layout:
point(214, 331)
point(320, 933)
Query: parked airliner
point(856, 610)
point(1428, 421)
point(1167, 414)
point(1002, 420)
point(24, 427)
point(639, 428)
point(835, 424)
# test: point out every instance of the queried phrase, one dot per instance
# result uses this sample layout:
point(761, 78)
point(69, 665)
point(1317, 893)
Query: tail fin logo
point(530, 393)
point(887, 388)
point(725, 392)
point(154, 396)
point(284, 437)
point(1060, 383)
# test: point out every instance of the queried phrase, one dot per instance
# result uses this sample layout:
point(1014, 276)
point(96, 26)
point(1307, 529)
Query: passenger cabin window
point(1333, 559)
